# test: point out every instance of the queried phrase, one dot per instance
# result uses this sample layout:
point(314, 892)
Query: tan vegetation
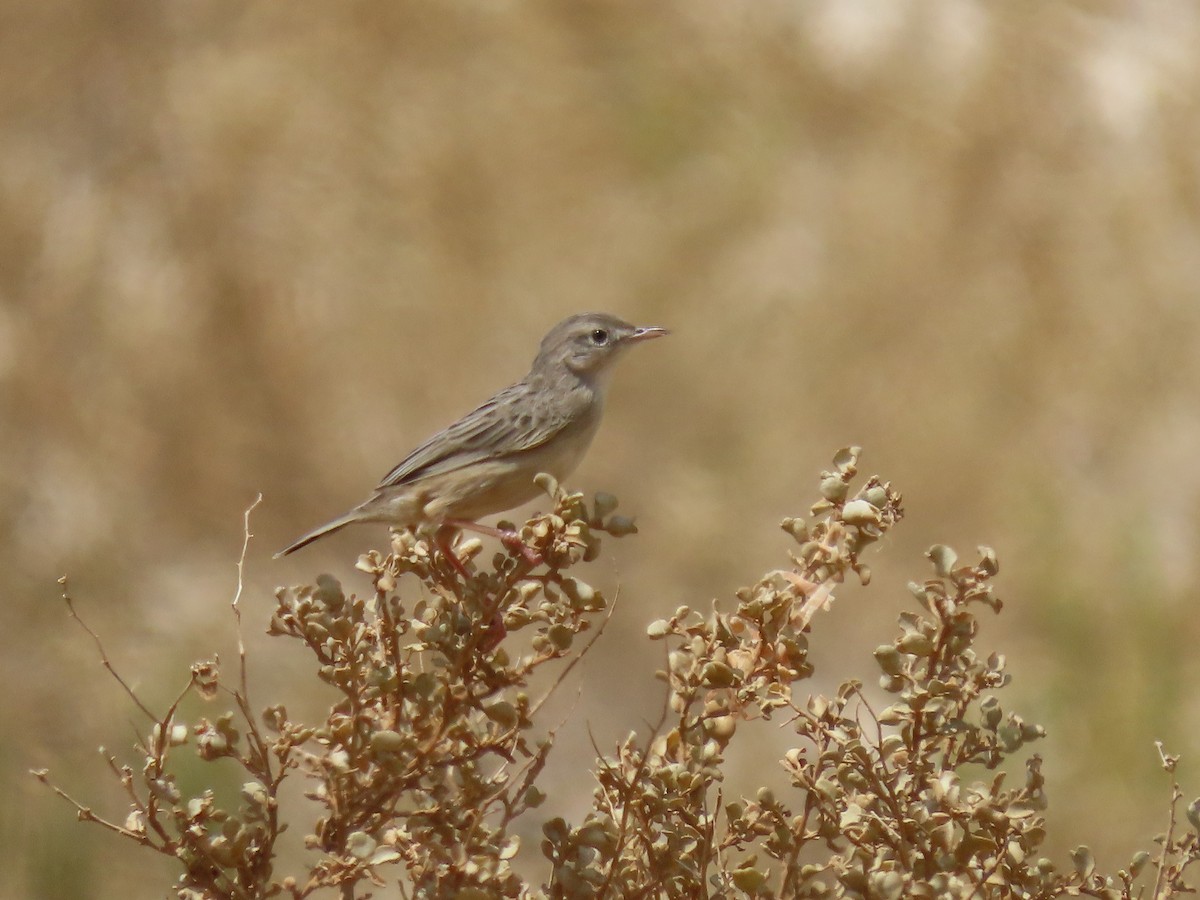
point(267, 248)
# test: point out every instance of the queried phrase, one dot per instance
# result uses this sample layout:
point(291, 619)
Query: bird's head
point(587, 344)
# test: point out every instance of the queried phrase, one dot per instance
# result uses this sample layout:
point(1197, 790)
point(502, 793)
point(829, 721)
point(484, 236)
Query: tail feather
point(328, 528)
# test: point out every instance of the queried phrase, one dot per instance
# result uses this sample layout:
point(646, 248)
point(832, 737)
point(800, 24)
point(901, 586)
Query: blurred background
point(270, 247)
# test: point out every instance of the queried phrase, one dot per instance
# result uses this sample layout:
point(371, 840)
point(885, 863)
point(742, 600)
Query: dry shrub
point(434, 747)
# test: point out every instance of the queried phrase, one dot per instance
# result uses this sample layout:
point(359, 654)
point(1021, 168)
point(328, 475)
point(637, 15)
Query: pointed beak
point(647, 333)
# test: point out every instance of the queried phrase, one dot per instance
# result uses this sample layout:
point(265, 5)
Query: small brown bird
point(485, 462)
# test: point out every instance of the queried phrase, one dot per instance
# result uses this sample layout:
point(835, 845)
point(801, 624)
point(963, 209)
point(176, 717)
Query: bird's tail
point(328, 528)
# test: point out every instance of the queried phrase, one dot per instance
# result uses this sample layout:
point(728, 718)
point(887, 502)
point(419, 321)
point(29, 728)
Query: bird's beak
point(647, 333)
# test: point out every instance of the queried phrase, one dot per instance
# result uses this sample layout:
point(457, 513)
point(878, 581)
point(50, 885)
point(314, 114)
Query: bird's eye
point(599, 337)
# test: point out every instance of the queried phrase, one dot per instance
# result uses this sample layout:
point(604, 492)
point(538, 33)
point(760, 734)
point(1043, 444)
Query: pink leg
point(510, 539)
point(495, 630)
point(441, 538)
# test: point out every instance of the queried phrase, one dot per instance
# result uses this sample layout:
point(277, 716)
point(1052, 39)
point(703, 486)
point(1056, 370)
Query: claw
point(509, 539)
point(442, 538)
point(512, 541)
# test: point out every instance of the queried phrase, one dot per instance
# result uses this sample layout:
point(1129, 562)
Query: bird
point(485, 462)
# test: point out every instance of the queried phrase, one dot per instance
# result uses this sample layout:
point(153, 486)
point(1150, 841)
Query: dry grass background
point(269, 247)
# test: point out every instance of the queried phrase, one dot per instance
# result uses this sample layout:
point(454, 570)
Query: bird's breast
point(562, 455)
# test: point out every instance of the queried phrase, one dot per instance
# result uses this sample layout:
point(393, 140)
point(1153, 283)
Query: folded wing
point(506, 424)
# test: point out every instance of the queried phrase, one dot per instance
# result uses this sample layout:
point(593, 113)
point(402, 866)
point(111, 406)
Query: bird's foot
point(509, 539)
point(442, 538)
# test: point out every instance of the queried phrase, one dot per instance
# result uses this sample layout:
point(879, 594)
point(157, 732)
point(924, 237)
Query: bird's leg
point(442, 539)
point(509, 539)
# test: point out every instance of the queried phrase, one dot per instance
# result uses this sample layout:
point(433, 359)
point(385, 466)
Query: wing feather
point(507, 423)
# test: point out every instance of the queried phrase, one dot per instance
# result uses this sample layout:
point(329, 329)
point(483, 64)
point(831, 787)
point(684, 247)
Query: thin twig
point(85, 813)
point(643, 764)
point(582, 653)
point(103, 656)
point(1168, 763)
point(237, 595)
